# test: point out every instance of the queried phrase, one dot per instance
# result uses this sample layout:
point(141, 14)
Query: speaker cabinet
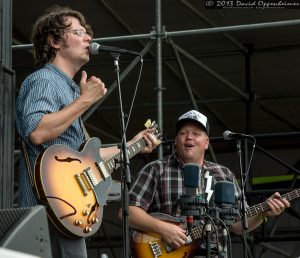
point(25, 230)
point(7, 253)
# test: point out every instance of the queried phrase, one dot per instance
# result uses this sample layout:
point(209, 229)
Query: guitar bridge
point(155, 248)
point(81, 184)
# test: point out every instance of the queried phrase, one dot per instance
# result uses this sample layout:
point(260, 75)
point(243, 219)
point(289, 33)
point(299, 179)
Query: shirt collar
point(64, 76)
point(177, 160)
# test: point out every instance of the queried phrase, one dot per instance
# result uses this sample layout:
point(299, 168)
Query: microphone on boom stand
point(225, 210)
point(225, 202)
point(192, 202)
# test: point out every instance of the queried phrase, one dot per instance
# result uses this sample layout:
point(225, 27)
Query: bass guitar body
point(149, 245)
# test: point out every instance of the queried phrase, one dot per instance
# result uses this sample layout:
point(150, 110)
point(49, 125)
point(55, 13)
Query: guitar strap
point(86, 134)
point(27, 161)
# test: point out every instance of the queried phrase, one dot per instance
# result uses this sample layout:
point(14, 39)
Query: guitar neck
point(114, 161)
point(251, 211)
point(261, 207)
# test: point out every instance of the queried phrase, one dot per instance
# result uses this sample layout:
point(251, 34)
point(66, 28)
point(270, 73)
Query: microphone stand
point(126, 177)
point(244, 221)
point(208, 228)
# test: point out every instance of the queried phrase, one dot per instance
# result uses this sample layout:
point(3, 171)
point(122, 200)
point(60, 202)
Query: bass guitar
point(149, 245)
point(74, 184)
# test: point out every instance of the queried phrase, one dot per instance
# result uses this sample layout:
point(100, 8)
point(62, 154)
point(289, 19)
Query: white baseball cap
point(192, 115)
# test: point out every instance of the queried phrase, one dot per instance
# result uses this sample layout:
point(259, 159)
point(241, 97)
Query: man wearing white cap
point(159, 184)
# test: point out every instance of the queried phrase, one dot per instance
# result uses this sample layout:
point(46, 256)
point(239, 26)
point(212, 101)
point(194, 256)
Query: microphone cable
point(134, 96)
point(250, 161)
point(215, 231)
point(228, 236)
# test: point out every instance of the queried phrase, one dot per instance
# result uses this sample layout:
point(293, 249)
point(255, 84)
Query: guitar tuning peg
point(148, 124)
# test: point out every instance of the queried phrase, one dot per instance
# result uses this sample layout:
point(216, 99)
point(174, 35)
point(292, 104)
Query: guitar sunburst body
point(147, 242)
point(74, 184)
point(73, 211)
point(149, 245)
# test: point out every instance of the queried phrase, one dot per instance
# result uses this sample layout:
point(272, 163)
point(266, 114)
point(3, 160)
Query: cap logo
point(196, 116)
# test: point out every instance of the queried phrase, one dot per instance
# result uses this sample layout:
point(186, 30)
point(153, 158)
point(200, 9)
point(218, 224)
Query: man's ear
point(207, 143)
point(52, 42)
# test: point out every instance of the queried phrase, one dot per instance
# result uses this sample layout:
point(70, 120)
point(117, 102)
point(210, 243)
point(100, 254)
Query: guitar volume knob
point(85, 212)
point(95, 220)
point(87, 230)
point(78, 222)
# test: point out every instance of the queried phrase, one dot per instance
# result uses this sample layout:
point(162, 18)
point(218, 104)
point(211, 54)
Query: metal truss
point(160, 35)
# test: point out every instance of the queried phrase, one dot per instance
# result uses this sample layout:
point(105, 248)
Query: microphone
point(191, 202)
point(191, 181)
point(227, 135)
point(225, 202)
point(96, 49)
point(191, 178)
point(224, 193)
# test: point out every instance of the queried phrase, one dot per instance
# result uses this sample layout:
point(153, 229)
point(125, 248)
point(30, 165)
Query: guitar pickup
point(169, 248)
point(188, 240)
point(89, 177)
point(102, 170)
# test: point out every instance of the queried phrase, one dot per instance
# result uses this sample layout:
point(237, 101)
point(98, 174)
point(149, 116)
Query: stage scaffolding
point(158, 36)
point(7, 100)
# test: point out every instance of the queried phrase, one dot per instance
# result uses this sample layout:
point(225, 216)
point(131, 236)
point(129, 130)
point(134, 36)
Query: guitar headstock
point(157, 133)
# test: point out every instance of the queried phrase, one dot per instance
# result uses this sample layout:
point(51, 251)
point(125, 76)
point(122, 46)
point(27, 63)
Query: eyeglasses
point(79, 32)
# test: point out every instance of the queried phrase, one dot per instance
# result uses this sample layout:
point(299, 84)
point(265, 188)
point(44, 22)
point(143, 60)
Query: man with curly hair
point(50, 104)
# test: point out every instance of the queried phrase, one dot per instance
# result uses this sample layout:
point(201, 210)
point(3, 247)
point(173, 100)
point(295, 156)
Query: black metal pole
point(126, 178)
point(244, 222)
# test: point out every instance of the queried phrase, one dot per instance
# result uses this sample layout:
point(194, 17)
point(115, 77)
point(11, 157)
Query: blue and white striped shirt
point(45, 91)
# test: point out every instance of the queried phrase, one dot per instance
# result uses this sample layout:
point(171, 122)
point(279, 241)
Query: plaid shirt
point(160, 184)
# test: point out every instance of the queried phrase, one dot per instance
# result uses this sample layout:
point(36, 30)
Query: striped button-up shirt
point(45, 91)
point(159, 185)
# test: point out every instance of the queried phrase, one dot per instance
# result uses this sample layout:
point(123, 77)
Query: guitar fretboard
point(114, 161)
point(261, 207)
point(251, 211)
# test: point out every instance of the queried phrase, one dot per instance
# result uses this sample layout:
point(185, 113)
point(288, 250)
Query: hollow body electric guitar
point(149, 245)
point(74, 184)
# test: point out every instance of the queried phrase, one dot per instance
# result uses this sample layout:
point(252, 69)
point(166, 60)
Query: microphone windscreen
point(224, 192)
point(191, 175)
point(226, 135)
point(93, 48)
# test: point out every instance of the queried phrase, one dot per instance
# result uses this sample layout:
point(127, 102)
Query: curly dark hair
point(53, 23)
